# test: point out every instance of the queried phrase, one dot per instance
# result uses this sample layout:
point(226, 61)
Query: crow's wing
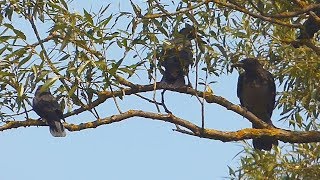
point(239, 87)
point(271, 92)
point(46, 106)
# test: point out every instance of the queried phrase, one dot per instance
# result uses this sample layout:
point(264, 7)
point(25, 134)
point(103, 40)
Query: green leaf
point(65, 5)
point(119, 44)
point(115, 67)
point(88, 17)
point(48, 83)
point(5, 38)
point(72, 90)
point(24, 60)
point(102, 11)
point(81, 68)
point(64, 57)
point(160, 27)
point(298, 119)
point(105, 22)
point(17, 54)
point(8, 26)
point(20, 90)
point(136, 9)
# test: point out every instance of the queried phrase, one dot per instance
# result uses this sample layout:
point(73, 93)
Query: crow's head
point(248, 64)
point(41, 90)
point(188, 32)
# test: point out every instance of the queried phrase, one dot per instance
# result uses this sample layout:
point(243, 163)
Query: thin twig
point(165, 107)
point(163, 103)
point(115, 100)
point(149, 100)
point(153, 16)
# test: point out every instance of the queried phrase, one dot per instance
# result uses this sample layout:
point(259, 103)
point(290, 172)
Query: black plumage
point(256, 91)
point(47, 107)
point(310, 27)
point(176, 57)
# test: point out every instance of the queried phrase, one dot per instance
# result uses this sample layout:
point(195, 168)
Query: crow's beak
point(238, 64)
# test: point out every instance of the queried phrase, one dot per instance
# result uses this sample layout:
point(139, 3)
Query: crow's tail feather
point(174, 83)
point(264, 143)
point(57, 129)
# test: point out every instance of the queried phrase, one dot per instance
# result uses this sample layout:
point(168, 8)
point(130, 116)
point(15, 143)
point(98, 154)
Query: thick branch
point(153, 16)
point(210, 98)
point(249, 133)
point(246, 11)
point(269, 18)
point(291, 14)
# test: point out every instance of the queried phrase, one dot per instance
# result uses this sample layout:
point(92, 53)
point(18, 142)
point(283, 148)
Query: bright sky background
point(136, 148)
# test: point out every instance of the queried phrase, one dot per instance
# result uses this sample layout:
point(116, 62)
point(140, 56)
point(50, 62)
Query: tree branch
point(248, 133)
point(289, 14)
point(265, 18)
point(269, 18)
point(153, 16)
point(210, 98)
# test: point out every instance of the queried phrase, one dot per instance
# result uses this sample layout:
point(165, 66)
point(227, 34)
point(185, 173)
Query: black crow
point(310, 27)
point(176, 57)
point(47, 107)
point(256, 91)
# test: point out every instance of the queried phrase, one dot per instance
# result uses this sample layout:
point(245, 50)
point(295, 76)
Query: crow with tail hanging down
point(176, 57)
point(310, 27)
point(47, 107)
point(256, 90)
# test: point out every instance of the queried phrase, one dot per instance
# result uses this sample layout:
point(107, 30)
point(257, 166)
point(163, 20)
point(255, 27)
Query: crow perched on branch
point(47, 107)
point(176, 57)
point(310, 27)
point(256, 91)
